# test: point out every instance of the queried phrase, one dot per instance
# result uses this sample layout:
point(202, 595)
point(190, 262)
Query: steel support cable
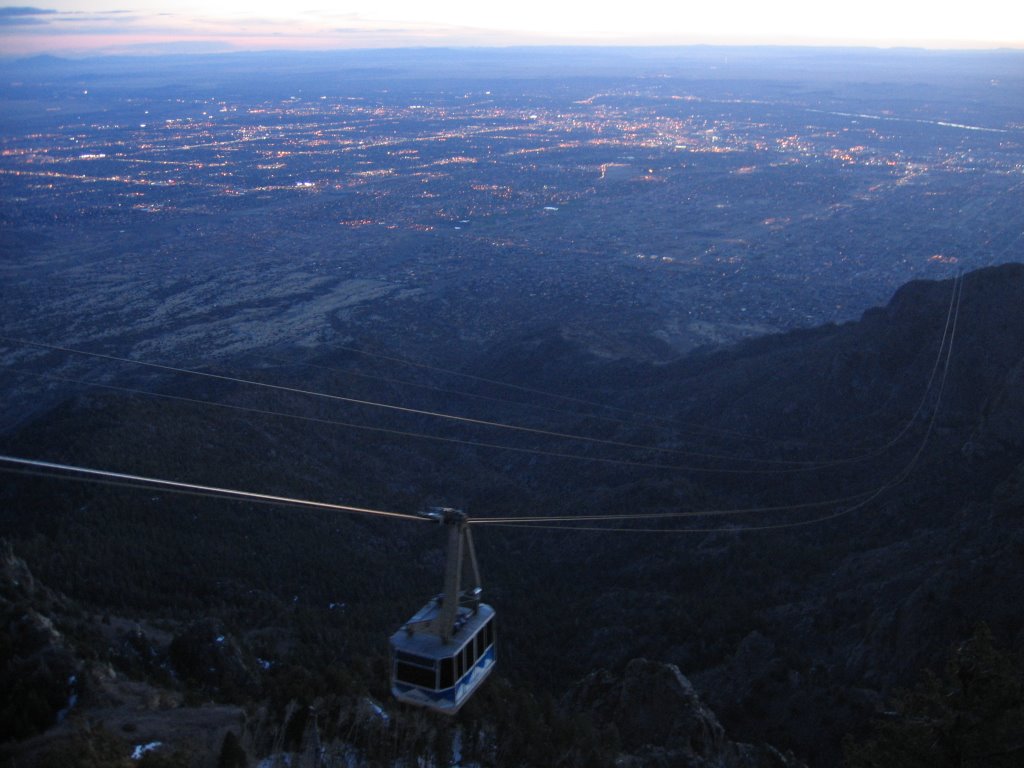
point(197, 489)
point(577, 414)
point(139, 481)
point(693, 433)
point(397, 408)
point(496, 382)
point(405, 433)
point(476, 395)
point(899, 478)
point(54, 475)
point(620, 517)
point(711, 432)
point(792, 465)
point(383, 430)
point(639, 419)
point(954, 298)
point(328, 396)
point(890, 442)
point(558, 522)
point(869, 496)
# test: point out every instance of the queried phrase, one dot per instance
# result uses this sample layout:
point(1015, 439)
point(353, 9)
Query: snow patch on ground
point(72, 699)
point(141, 749)
point(457, 748)
point(378, 710)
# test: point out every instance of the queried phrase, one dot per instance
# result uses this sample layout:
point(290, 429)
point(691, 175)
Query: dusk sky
point(155, 26)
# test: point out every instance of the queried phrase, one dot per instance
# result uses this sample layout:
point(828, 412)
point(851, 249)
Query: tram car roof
point(415, 636)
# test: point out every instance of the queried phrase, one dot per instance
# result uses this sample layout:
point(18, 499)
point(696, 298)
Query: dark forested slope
point(882, 461)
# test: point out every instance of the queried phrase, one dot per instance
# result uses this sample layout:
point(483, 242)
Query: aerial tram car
point(441, 655)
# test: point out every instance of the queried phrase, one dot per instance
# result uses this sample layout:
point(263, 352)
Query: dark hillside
point(794, 623)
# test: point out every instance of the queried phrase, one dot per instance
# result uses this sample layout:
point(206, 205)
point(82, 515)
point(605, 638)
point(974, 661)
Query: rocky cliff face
point(63, 701)
point(38, 669)
point(132, 702)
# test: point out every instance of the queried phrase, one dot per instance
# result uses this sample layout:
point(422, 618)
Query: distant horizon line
point(202, 49)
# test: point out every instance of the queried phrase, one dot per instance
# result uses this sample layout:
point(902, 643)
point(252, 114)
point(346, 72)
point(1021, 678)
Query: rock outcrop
point(38, 670)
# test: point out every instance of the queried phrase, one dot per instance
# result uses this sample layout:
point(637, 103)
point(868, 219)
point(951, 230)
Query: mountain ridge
point(793, 637)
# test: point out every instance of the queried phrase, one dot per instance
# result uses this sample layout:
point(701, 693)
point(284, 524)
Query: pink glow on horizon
point(82, 27)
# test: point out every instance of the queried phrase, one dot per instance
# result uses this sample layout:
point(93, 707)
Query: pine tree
point(970, 717)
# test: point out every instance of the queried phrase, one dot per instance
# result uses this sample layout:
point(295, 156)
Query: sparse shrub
point(970, 717)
